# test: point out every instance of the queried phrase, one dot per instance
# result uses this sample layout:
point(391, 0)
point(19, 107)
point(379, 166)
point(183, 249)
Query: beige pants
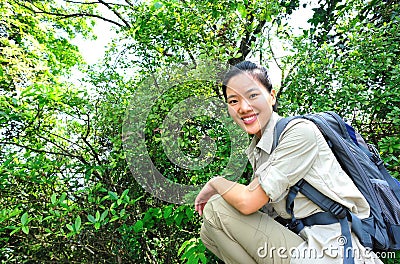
point(245, 239)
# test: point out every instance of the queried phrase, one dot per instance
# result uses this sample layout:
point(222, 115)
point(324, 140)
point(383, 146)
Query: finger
point(201, 208)
point(196, 203)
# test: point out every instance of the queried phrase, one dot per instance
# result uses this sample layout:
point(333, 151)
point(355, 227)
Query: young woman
point(239, 221)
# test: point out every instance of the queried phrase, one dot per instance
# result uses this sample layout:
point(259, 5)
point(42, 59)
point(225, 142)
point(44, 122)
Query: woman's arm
point(246, 199)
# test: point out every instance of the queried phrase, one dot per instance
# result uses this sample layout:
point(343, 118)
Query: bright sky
point(92, 51)
point(299, 23)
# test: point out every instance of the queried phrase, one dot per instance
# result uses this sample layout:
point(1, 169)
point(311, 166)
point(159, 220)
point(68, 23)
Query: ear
point(273, 96)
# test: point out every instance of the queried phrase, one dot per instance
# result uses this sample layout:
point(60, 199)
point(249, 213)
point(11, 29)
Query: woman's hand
point(204, 195)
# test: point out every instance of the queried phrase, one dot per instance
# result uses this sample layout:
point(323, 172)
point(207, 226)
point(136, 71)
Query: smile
point(249, 119)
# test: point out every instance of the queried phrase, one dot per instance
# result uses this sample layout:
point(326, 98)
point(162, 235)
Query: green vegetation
point(67, 193)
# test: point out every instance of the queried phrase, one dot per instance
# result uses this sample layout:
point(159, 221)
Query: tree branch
point(81, 3)
point(270, 49)
point(95, 155)
point(249, 38)
point(129, 3)
point(191, 56)
point(81, 159)
point(95, 3)
point(116, 13)
point(66, 139)
point(85, 15)
point(64, 16)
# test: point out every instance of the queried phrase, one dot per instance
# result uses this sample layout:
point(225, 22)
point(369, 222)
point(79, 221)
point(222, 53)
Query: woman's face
point(249, 103)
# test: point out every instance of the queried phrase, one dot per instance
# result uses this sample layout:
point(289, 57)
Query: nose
point(244, 106)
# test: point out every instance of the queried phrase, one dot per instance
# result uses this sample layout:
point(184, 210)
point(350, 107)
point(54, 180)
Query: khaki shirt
point(302, 152)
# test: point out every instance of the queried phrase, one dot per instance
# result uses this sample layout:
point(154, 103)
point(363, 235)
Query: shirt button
point(257, 153)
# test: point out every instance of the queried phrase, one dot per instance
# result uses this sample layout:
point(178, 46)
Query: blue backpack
point(361, 161)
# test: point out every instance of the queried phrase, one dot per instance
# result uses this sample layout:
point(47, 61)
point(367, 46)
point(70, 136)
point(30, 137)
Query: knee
point(217, 212)
point(207, 237)
point(205, 234)
point(210, 221)
point(210, 211)
point(207, 225)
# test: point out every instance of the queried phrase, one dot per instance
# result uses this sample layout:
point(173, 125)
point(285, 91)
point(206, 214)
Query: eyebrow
point(247, 92)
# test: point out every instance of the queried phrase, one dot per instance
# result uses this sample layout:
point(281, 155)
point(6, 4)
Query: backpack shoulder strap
point(279, 127)
point(334, 212)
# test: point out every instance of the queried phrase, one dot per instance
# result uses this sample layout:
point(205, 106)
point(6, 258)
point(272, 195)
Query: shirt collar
point(266, 140)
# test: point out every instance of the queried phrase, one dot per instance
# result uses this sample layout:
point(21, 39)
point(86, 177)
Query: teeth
point(248, 118)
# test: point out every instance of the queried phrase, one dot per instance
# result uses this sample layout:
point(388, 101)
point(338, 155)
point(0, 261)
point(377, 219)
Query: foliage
point(66, 189)
point(352, 70)
point(33, 51)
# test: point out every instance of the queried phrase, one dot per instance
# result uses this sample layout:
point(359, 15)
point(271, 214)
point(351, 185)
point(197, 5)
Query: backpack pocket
point(390, 206)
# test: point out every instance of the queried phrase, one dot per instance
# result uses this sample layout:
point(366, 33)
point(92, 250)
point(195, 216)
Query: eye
point(232, 101)
point(253, 95)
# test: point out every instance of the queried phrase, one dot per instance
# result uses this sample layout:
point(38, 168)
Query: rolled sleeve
point(291, 160)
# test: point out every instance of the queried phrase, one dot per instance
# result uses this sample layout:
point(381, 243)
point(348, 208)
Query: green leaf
point(184, 245)
point(15, 231)
point(47, 218)
point(189, 250)
point(178, 218)
point(62, 198)
point(122, 213)
point(91, 218)
point(193, 258)
point(167, 212)
point(70, 227)
point(53, 199)
point(24, 219)
point(104, 215)
point(113, 195)
point(78, 223)
point(116, 217)
point(158, 5)
point(138, 226)
point(189, 212)
point(124, 195)
point(242, 10)
point(25, 229)
point(203, 258)
point(104, 198)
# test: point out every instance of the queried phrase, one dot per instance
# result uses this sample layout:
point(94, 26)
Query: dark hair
point(258, 72)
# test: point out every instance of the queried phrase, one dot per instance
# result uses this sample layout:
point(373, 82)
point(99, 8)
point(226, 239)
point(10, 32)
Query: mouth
point(249, 119)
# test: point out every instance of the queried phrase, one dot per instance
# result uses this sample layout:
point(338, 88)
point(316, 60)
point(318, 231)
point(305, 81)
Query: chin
point(252, 132)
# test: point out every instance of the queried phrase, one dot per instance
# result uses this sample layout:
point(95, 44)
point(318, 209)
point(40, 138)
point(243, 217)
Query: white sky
point(94, 50)
point(299, 23)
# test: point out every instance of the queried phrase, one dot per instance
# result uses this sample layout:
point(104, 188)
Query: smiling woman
point(250, 102)
point(239, 220)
